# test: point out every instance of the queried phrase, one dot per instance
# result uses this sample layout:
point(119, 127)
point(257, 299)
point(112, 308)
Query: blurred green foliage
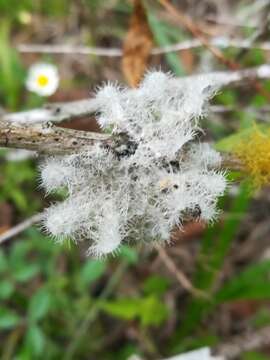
point(254, 356)
point(17, 181)
point(149, 310)
point(11, 70)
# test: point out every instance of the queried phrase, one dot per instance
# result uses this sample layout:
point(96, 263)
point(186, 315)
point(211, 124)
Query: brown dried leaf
point(137, 45)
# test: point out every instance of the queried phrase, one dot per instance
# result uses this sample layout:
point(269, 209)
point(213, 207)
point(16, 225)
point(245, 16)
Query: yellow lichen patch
point(254, 153)
point(42, 80)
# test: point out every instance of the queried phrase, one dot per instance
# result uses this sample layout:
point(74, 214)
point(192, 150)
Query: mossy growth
point(254, 153)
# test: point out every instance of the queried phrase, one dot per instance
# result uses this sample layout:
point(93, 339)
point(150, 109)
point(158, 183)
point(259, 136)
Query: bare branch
point(31, 130)
point(260, 113)
point(58, 112)
point(17, 229)
point(180, 276)
point(69, 49)
point(225, 78)
point(221, 42)
point(53, 140)
point(247, 342)
point(230, 162)
point(55, 112)
point(48, 140)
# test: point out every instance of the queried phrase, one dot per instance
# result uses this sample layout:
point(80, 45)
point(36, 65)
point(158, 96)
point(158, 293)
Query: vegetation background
point(57, 304)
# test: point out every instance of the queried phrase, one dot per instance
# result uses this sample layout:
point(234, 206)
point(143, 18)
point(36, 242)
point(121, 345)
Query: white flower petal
point(42, 79)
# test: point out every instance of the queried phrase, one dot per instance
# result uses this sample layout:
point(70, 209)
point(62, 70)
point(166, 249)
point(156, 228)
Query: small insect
point(197, 211)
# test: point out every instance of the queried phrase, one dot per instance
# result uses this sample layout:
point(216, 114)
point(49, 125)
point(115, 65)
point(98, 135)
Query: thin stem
point(180, 276)
point(220, 42)
point(50, 140)
point(17, 229)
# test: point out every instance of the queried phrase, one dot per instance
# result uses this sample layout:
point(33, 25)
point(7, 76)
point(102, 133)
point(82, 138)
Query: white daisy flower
point(42, 79)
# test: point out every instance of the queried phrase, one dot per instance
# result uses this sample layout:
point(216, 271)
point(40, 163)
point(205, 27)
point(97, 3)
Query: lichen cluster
point(155, 179)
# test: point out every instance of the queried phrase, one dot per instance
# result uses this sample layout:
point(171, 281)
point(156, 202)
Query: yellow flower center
point(42, 80)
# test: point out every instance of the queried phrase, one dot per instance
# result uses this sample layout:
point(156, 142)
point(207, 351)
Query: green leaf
point(8, 319)
point(25, 272)
point(39, 304)
point(261, 318)
point(149, 310)
point(259, 101)
point(35, 340)
point(11, 72)
point(252, 283)
point(163, 36)
point(126, 309)
point(227, 97)
point(253, 355)
point(92, 271)
point(18, 252)
point(19, 199)
point(129, 254)
point(3, 262)
point(153, 311)
point(156, 285)
point(6, 289)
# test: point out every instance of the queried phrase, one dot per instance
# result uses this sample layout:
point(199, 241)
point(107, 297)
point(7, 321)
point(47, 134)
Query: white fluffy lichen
point(147, 186)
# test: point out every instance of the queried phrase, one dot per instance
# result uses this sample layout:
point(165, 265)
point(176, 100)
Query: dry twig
point(188, 23)
point(48, 140)
point(247, 342)
point(59, 112)
point(179, 275)
point(195, 30)
point(220, 42)
point(17, 229)
point(32, 130)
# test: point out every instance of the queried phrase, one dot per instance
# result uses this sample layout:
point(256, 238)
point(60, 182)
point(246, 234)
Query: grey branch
point(17, 229)
point(225, 78)
point(247, 342)
point(59, 112)
point(53, 140)
point(55, 112)
point(221, 42)
point(33, 130)
point(179, 275)
point(48, 139)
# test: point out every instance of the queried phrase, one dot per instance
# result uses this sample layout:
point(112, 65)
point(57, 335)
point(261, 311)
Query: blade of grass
point(252, 283)
point(11, 71)
point(161, 34)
